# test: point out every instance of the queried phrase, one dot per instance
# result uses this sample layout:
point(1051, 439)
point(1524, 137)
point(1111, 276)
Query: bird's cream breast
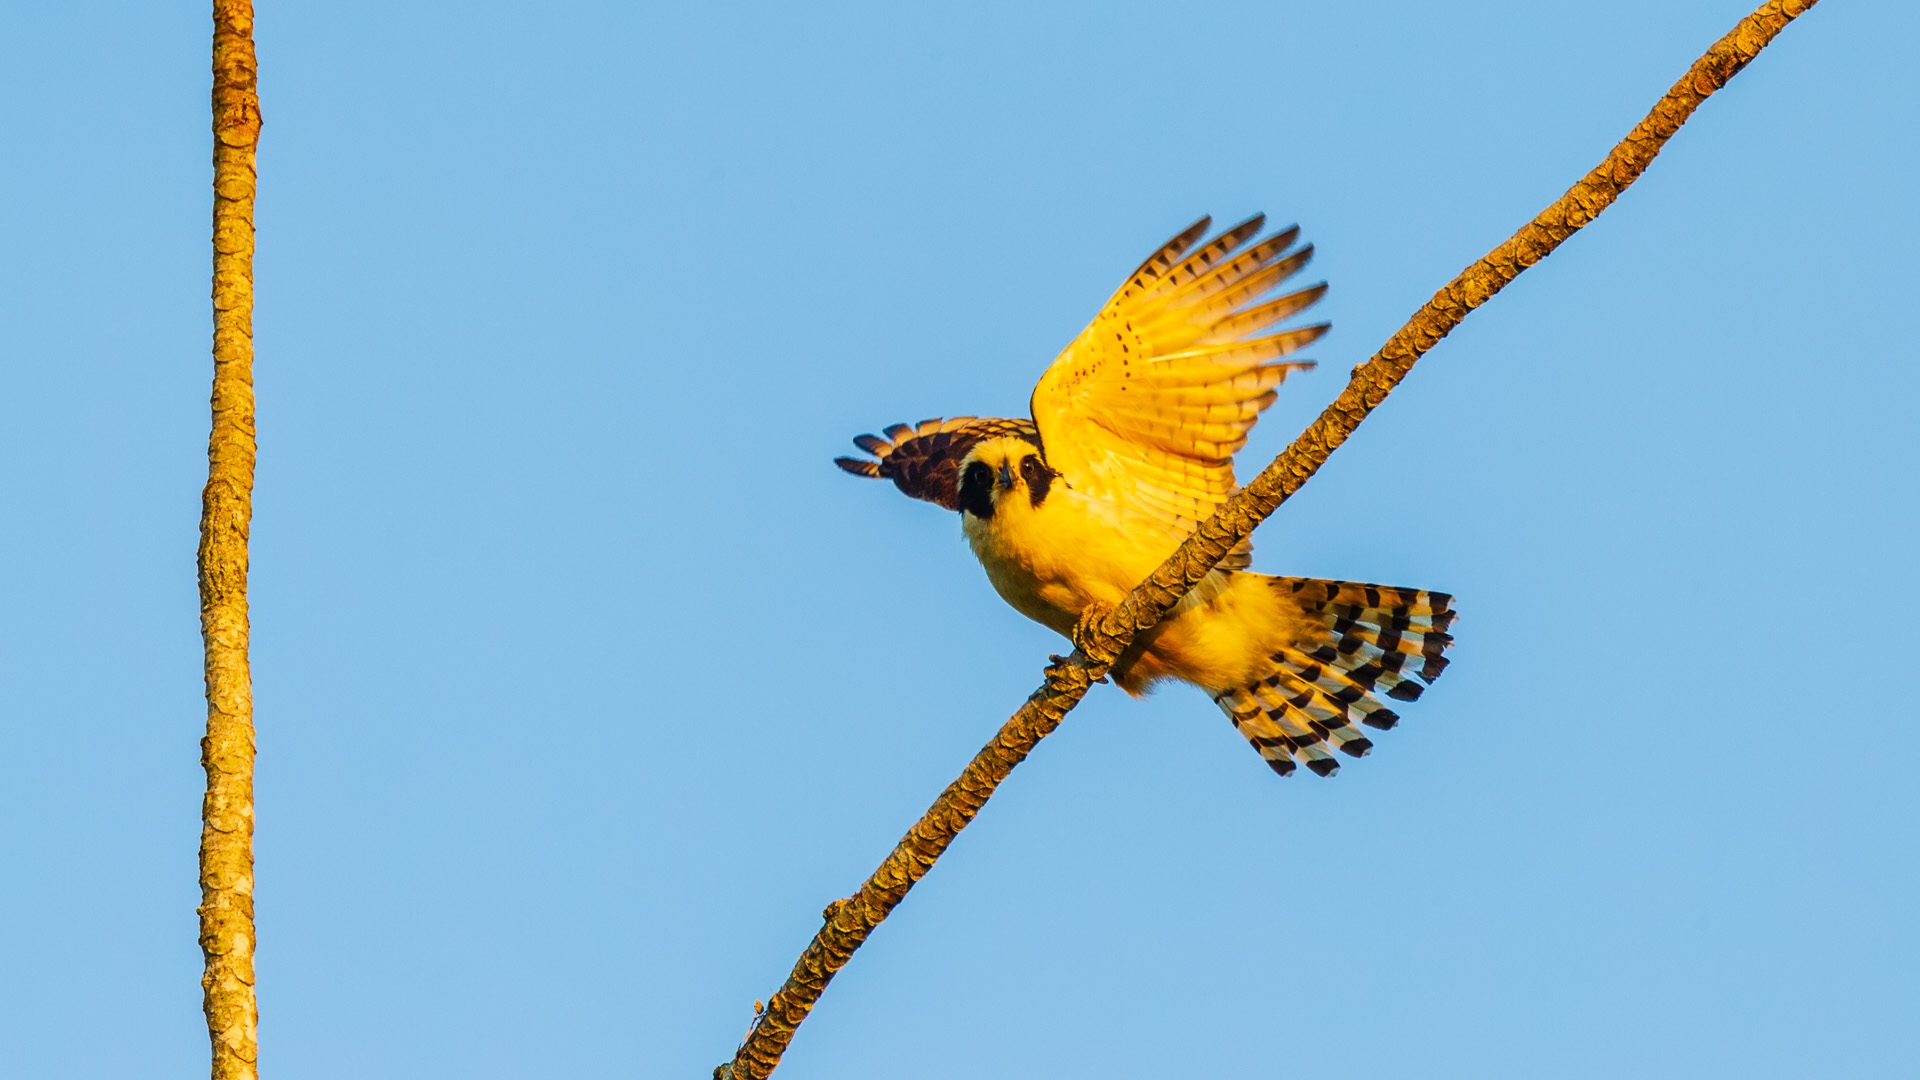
point(1025, 574)
point(1050, 561)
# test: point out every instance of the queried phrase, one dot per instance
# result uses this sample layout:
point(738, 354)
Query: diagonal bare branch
point(848, 922)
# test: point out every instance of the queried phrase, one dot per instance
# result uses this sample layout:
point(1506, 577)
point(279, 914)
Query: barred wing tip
point(859, 466)
point(923, 460)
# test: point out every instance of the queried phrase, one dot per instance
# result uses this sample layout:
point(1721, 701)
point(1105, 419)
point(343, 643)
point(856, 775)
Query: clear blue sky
point(584, 680)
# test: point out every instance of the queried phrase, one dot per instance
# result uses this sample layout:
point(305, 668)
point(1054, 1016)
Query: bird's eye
point(1038, 477)
point(976, 490)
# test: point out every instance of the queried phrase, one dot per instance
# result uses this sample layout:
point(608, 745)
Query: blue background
point(584, 680)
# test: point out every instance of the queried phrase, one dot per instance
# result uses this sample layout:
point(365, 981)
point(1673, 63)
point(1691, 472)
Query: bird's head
point(1003, 469)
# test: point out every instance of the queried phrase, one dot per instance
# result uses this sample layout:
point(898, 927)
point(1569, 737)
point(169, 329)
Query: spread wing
point(923, 459)
point(1148, 405)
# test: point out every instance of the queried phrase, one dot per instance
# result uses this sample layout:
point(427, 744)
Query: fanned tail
point(1359, 640)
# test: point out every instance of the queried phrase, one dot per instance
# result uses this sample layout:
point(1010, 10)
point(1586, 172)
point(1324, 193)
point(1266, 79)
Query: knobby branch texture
point(848, 922)
point(226, 832)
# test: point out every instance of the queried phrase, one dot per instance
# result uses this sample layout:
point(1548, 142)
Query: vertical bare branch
point(226, 834)
point(848, 922)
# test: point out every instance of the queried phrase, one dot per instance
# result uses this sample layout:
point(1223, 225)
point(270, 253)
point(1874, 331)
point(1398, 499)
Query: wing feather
point(1206, 258)
point(1199, 312)
point(1149, 403)
point(1158, 263)
point(1261, 316)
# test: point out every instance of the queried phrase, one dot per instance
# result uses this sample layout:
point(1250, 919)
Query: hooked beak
point(1006, 475)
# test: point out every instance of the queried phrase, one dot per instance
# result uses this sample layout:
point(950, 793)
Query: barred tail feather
point(1361, 640)
point(1274, 746)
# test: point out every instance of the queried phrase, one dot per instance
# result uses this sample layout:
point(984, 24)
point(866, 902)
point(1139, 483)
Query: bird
point(1129, 447)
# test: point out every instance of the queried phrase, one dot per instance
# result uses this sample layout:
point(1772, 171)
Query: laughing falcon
point(1130, 447)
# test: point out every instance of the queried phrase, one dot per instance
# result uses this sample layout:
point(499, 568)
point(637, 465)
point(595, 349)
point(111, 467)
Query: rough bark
point(226, 834)
point(848, 922)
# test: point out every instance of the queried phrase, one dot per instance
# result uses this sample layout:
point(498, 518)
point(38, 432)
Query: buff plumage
point(1130, 447)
